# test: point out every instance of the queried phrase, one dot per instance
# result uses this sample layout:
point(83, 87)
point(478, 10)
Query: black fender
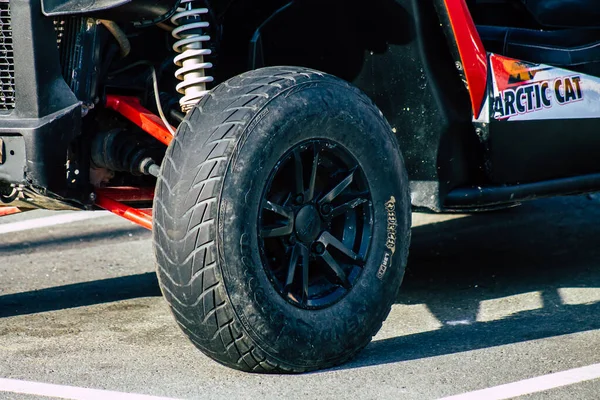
point(396, 52)
point(140, 12)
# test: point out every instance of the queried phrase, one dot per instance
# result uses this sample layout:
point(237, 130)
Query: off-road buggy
point(276, 147)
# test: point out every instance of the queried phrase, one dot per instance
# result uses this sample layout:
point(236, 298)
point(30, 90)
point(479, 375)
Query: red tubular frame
point(471, 50)
point(111, 198)
point(140, 217)
point(4, 211)
point(127, 193)
point(131, 108)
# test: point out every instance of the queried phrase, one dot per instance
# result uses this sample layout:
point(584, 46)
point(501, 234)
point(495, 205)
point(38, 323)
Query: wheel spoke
point(310, 194)
point(299, 170)
point(336, 191)
point(329, 240)
point(280, 210)
point(305, 258)
point(344, 208)
point(283, 228)
point(316, 212)
point(335, 267)
point(276, 231)
point(292, 268)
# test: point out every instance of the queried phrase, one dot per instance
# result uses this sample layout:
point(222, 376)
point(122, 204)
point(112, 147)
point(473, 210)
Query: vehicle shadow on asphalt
point(79, 295)
point(454, 266)
point(539, 248)
point(61, 242)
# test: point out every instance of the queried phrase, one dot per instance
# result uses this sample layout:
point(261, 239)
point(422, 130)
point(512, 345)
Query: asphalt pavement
point(488, 299)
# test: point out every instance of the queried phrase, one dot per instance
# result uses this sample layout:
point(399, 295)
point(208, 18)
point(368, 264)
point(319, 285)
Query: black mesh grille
point(78, 42)
point(69, 46)
point(7, 62)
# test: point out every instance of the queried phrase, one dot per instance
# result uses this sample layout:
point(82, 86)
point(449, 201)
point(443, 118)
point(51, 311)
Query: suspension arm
point(127, 193)
point(4, 211)
point(110, 198)
point(131, 108)
point(135, 215)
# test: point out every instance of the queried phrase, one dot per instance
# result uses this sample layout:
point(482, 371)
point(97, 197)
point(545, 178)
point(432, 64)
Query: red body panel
point(472, 53)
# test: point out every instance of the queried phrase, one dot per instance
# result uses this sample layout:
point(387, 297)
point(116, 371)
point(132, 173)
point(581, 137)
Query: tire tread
point(199, 300)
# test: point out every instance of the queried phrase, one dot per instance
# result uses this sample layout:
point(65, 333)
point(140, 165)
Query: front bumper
point(47, 116)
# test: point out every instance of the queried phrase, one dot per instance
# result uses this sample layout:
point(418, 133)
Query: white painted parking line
point(45, 222)
point(533, 385)
point(68, 392)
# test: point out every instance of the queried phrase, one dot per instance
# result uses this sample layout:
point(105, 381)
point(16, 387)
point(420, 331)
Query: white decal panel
point(523, 92)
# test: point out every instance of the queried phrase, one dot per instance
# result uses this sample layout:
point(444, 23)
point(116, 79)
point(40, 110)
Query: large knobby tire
point(282, 169)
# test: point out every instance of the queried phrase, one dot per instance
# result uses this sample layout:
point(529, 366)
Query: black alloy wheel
point(315, 235)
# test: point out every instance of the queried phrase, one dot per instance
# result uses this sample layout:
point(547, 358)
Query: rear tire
point(238, 206)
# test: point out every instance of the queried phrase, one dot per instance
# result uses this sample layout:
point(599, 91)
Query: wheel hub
point(315, 224)
point(308, 224)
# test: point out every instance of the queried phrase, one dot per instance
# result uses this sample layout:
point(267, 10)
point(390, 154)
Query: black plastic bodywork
point(403, 54)
point(531, 151)
point(486, 197)
point(417, 87)
point(140, 12)
point(47, 116)
point(396, 52)
point(80, 54)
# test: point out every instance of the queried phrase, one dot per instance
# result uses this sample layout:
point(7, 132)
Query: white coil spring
point(189, 44)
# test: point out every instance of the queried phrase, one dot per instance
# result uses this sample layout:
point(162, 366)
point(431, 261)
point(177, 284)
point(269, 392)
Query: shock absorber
point(192, 67)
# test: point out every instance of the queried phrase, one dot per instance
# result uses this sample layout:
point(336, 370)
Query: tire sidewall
point(312, 110)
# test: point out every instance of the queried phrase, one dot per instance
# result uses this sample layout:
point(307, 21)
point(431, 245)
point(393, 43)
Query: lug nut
point(326, 209)
point(319, 248)
point(299, 199)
